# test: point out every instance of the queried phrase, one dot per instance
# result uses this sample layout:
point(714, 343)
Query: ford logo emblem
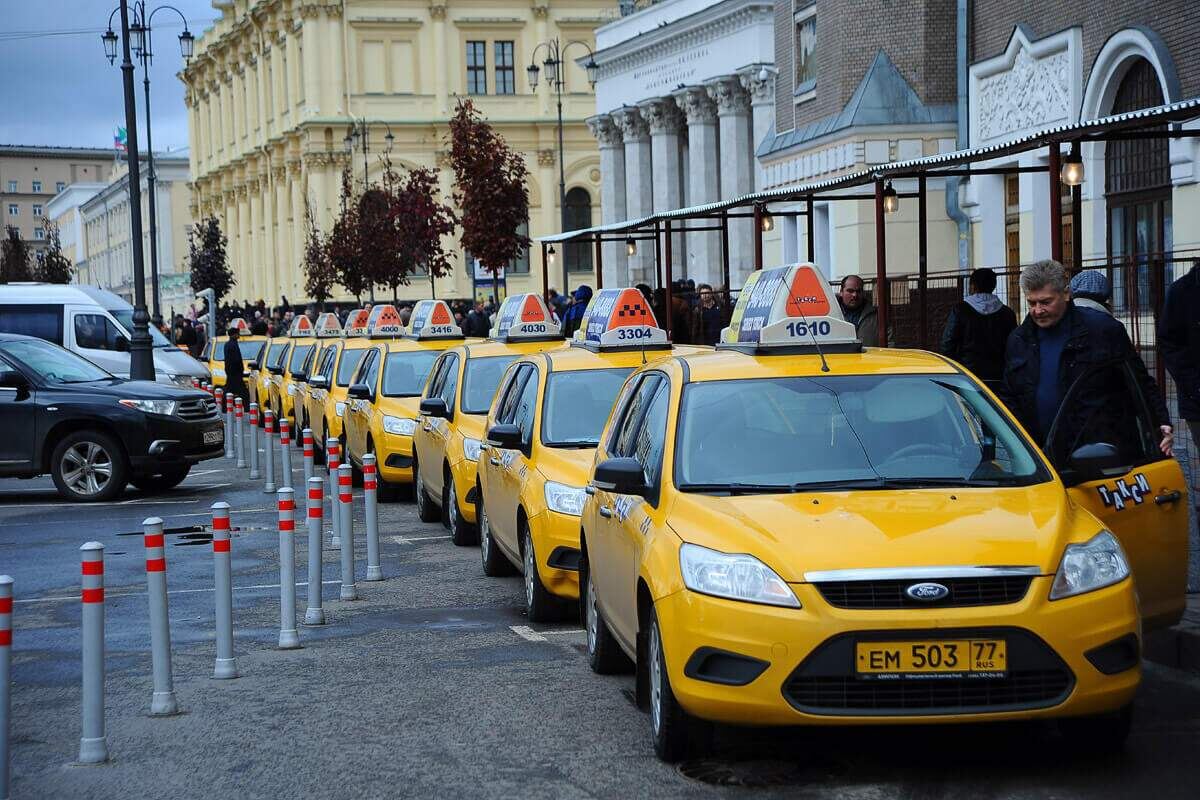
point(927, 592)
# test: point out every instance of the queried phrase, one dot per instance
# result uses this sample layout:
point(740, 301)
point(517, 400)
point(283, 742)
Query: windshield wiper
point(737, 488)
point(934, 481)
point(573, 444)
point(847, 483)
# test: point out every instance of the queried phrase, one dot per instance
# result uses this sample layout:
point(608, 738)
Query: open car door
point(1104, 444)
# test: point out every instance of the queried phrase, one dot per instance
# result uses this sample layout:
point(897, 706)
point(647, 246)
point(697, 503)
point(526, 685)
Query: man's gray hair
point(1044, 274)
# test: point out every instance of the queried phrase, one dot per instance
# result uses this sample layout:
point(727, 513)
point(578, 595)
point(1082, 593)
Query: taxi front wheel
point(605, 656)
point(677, 734)
point(495, 565)
point(462, 533)
point(540, 605)
point(426, 510)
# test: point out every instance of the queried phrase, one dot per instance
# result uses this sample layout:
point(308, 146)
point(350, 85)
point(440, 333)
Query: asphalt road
point(434, 684)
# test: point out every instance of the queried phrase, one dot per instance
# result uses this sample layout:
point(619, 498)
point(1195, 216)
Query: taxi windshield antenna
point(816, 344)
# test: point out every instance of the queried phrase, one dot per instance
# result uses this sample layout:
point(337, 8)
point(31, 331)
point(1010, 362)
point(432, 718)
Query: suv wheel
point(88, 466)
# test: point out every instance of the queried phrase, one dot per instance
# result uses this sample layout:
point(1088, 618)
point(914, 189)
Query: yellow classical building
point(277, 85)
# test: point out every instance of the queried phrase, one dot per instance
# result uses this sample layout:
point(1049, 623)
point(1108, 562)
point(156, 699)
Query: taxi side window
point(206, 353)
point(513, 389)
point(371, 373)
point(326, 368)
point(650, 438)
point(363, 375)
point(526, 406)
point(631, 415)
point(436, 376)
point(449, 385)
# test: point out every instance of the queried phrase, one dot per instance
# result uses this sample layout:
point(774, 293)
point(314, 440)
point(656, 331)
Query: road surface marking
point(170, 591)
point(525, 632)
point(410, 539)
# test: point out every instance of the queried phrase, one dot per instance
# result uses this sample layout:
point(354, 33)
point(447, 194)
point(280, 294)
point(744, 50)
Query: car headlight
point(181, 380)
point(339, 409)
point(401, 426)
point(471, 448)
point(565, 499)
point(735, 576)
point(291, 390)
point(164, 407)
point(218, 373)
point(1096, 563)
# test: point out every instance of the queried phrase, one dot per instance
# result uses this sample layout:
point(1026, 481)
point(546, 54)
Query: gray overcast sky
point(59, 89)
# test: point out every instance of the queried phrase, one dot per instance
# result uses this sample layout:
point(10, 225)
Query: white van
point(94, 323)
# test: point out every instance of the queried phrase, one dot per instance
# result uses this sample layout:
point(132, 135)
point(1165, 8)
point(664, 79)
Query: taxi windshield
point(275, 354)
point(250, 350)
point(347, 365)
point(299, 354)
point(404, 374)
point(482, 377)
point(846, 432)
point(577, 404)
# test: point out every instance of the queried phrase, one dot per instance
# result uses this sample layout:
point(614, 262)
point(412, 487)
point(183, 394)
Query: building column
point(280, 237)
point(242, 271)
point(333, 73)
point(310, 69)
point(759, 81)
point(612, 194)
point(639, 192)
point(704, 181)
point(665, 121)
point(737, 177)
point(297, 231)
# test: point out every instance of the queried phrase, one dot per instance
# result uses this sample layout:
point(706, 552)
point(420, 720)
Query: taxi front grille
point(881, 594)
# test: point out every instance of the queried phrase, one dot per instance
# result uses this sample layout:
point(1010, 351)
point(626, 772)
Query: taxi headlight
point(736, 576)
point(339, 409)
point(471, 448)
point(291, 390)
point(564, 499)
point(1096, 563)
point(400, 426)
point(218, 372)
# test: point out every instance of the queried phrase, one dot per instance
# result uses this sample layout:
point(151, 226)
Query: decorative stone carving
point(759, 81)
point(547, 158)
point(605, 129)
point(661, 115)
point(1035, 92)
point(729, 95)
point(594, 175)
point(541, 12)
point(437, 11)
point(696, 105)
point(294, 166)
point(633, 127)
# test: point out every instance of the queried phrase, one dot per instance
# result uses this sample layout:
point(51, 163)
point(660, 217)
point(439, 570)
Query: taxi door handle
point(589, 489)
point(606, 512)
point(495, 462)
point(1170, 497)
point(426, 427)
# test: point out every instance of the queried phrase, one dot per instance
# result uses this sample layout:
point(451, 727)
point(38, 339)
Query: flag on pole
point(120, 140)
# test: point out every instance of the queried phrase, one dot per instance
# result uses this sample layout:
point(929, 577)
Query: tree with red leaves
point(319, 273)
point(344, 246)
point(491, 189)
point(419, 223)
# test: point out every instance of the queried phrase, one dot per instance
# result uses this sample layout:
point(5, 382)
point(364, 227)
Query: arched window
point(578, 213)
point(1137, 187)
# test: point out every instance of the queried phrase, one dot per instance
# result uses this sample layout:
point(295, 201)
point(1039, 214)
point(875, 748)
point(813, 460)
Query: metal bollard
point(93, 745)
point(315, 614)
point(162, 702)
point(285, 452)
point(307, 439)
point(225, 406)
point(333, 455)
point(226, 664)
point(345, 481)
point(371, 512)
point(195, 382)
point(254, 473)
point(6, 593)
point(240, 419)
point(269, 449)
point(289, 639)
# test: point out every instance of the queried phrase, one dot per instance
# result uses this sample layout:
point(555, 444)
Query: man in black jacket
point(1179, 338)
point(235, 382)
point(1058, 344)
point(977, 329)
point(476, 322)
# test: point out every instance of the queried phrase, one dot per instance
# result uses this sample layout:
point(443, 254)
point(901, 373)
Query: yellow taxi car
point(262, 371)
point(325, 398)
point(384, 394)
point(328, 332)
point(542, 432)
point(213, 355)
point(454, 408)
point(796, 530)
point(302, 343)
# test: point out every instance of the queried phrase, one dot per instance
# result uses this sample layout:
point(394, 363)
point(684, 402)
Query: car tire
point(162, 482)
point(540, 604)
point(495, 565)
point(89, 467)
point(1101, 734)
point(462, 533)
point(427, 510)
point(605, 656)
point(677, 735)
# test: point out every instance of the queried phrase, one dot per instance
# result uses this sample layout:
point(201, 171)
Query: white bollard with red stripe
point(371, 513)
point(93, 745)
point(289, 638)
point(6, 598)
point(269, 449)
point(163, 702)
point(285, 452)
point(226, 664)
point(307, 440)
point(333, 459)
point(254, 473)
point(240, 421)
point(195, 383)
point(225, 406)
point(346, 515)
point(315, 613)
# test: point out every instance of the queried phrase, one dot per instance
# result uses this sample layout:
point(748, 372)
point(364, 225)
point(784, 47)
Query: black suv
point(94, 432)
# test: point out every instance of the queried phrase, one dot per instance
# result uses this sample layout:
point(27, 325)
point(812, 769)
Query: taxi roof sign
point(432, 319)
point(356, 323)
point(384, 322)
point(525, 317)
point(301, 326)
point(243, 328)
point(620, 318)
point(328, 326)
point(789, 307)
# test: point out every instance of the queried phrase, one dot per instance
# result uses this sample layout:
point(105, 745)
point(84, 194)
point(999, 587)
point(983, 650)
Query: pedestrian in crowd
point(708, 318)
point(647, 294)
point(574, 315)
point(461, 322)
point(1179, 338)
point(557, 303)
point(405, 315)
point(235, 383)
point(681, 314)
point(1090, 289)
point(1059, 342)
point(259, 327)
point(476, 321)
point(185, 334)
point(977, 329)
point(858, 310)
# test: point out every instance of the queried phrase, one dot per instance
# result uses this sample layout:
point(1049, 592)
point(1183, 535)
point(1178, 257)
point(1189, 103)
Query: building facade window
point(476, 67)
point(59, 186)
point(804, 47)
point(12, 209)
point(37, 187)
point(505, 76)
point(37, 210)
point(12, 186)
point(578, 214)
point(39, 234)
point(520, 264)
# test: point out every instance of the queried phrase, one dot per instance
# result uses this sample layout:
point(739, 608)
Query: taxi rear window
point(347, 365)
point(577, 405)
point(852, 432)
point(482, 377)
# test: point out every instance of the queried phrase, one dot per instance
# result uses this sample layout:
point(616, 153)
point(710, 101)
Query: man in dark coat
point(235, 382)
point(574, 313)
point(476, 322)
point(977, 329)
point(1179, 338)
point(859, 311)
point(1059, 343)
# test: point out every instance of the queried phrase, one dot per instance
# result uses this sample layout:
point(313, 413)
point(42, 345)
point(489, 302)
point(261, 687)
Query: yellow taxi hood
point(566, 465)
point(471, 425)
point(400, 406)
point(805, 532)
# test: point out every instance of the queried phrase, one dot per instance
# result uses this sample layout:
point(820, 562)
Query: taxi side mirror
point(621, 476)
point(1093, 462)
point(299, 375)
point(276, 370)
point(435, 407)
point(359, 391)
point(318, 382)
point(505, 436)
point(253, 365)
